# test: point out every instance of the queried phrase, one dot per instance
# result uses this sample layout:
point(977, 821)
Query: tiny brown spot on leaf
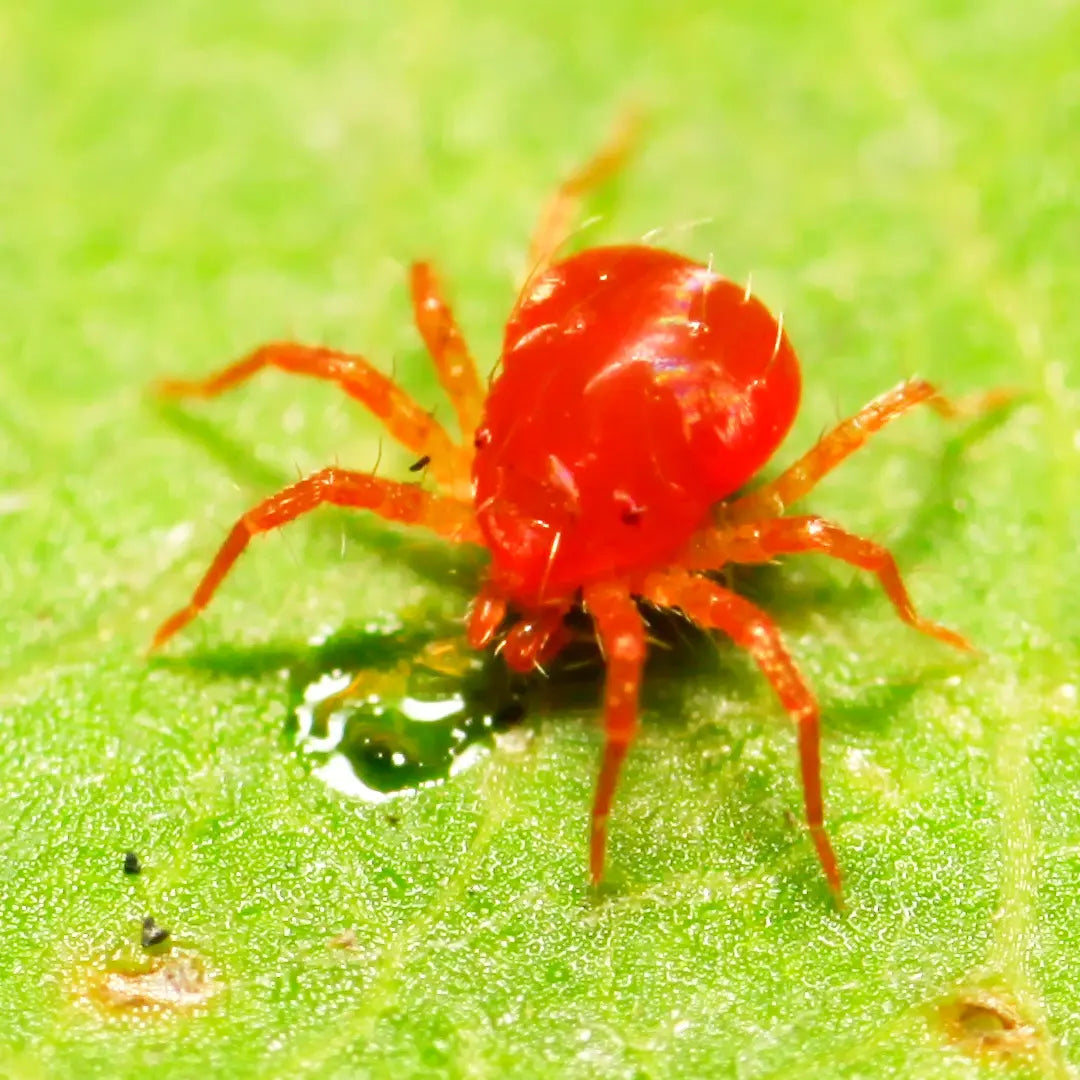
point(345, 940)
point(988, 1023)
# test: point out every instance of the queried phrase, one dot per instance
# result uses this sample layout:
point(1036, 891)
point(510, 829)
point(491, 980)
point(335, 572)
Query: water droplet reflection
point(383, 732)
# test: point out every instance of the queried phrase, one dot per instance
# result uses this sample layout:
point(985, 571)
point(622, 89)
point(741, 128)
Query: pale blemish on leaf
point(176, 981)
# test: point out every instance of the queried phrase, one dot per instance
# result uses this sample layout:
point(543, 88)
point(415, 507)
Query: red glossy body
point(638, 389)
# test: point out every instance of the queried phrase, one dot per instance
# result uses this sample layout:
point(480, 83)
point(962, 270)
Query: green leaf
point(181, 181)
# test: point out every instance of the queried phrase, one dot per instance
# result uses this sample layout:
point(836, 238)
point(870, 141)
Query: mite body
point(638, 391)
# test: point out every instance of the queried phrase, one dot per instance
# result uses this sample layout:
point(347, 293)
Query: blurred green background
point(181, 181)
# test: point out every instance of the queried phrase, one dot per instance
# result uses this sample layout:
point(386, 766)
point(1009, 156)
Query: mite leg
point(848, 436)
point(712, 606)
point(622, 638)
point(406, 421)
point(405, 503)
point(761, 542)
point(974, 405)
point(556, 221)
point(454, 364)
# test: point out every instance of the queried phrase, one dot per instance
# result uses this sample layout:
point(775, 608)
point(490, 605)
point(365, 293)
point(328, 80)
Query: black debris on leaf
point(152, 934)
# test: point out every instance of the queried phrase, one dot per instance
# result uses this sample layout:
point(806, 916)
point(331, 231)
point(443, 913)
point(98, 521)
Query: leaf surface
point(183, 181)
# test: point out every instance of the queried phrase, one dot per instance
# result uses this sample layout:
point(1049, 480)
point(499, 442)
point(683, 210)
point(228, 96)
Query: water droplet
point(386, 731)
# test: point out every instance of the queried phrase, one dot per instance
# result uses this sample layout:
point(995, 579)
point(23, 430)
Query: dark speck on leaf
point(152, 934)
point(131, 863)
point(421, 463)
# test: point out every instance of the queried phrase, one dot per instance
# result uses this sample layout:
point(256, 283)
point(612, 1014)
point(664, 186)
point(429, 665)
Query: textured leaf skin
point(182, 181)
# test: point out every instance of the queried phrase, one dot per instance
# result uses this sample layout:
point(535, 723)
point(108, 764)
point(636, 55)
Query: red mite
point(638, 392)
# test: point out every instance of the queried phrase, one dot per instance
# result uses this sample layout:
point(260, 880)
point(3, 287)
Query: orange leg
point(851, 434)
point(622, 638)
point(556, 221)
point(763, 541)
point(715, 607)
point(411, 425)
point(454, 363)
point(405, 503)
point(844, 439)
point(977, 404)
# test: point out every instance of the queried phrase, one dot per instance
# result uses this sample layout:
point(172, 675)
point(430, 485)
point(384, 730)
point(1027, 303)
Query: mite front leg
point(763, 541)
point(622, 639)
point(405, 420)
point(556, 222)
point(454, 364)
point(714, 607)
point(404, 503)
